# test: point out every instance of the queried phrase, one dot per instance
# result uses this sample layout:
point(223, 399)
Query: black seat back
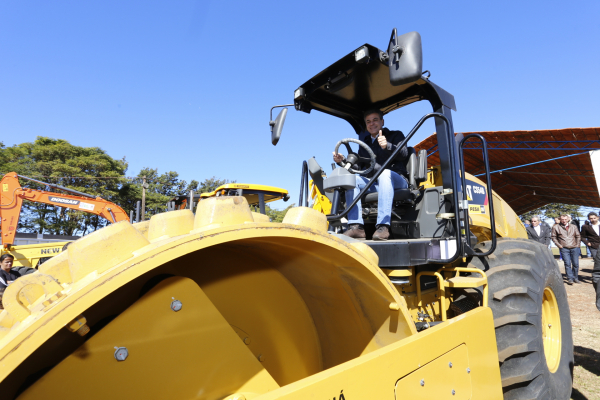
point(316, 174)
point(411, 168)
point(421, 174)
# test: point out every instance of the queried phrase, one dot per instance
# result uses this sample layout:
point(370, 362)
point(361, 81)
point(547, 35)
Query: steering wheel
point(353, 157)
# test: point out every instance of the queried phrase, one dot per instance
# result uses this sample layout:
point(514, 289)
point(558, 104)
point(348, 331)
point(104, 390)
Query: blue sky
point(187, 85)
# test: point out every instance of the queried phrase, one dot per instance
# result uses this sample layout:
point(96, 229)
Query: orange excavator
point(12, 196)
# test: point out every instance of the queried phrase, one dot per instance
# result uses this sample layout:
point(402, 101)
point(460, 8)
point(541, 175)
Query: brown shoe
point(382, 233)
point(356, 231)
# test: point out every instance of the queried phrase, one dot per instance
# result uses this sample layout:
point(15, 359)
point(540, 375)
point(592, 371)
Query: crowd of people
point(567, 236)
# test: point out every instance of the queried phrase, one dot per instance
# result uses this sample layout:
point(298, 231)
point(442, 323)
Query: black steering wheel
point(354, 158)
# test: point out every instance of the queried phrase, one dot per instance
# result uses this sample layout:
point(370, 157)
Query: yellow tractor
point(222, 304)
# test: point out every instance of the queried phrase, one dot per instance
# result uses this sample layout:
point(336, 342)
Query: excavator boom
point(12, 196)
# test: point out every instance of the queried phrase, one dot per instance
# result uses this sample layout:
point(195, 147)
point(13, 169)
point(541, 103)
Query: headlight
point(361, 55)
point(298, 93)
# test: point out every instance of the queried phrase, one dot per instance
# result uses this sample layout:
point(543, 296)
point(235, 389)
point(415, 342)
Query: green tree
point(89, 170)
point(277, 215)
point(553, 210)
point(210, 184)
point(161, 189)
point(59, 162)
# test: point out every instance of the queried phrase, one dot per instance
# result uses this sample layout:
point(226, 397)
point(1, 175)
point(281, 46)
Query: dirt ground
point(585, 318)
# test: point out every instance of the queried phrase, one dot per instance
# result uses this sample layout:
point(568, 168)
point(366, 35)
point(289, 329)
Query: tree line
point(91, 170)
point(552, 210)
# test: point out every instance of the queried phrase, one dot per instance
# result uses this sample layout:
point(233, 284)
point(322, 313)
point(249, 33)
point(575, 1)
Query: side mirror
point(405, 58)
point(277, 126)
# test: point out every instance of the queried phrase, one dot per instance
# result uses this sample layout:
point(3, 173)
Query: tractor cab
point(429, 218)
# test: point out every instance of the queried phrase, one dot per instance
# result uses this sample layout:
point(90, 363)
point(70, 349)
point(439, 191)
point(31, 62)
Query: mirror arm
point(271, 122)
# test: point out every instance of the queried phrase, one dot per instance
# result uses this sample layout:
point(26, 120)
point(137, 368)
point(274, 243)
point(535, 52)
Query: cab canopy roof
point(360, 81)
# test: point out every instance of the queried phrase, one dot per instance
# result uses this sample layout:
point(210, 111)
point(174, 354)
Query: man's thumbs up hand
point(382, 140)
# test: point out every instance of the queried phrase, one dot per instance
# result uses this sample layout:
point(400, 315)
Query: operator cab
point(426, 217)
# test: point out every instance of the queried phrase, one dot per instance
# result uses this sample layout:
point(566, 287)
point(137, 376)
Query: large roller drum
point(205, 306)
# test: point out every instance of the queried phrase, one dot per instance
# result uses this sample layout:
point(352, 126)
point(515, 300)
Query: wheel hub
point(551, 330)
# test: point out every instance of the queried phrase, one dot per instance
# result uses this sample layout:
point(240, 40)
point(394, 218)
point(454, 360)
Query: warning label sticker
point(86, 206)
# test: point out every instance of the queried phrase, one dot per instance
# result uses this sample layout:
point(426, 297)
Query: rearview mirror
point(405, 58)
point(277, 126)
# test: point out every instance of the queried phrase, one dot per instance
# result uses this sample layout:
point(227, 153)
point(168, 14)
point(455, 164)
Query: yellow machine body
point(29, 255)
point(250, 192)
point(507, 222)
point(225, 305)
point(320, 202)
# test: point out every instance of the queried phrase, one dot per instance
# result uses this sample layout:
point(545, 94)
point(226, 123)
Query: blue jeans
point(571, 256)
point(387, 182)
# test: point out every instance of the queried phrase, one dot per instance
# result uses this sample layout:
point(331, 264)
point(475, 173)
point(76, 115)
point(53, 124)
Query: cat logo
point(469, 194)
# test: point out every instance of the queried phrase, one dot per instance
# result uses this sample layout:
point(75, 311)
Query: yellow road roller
point(222, 304)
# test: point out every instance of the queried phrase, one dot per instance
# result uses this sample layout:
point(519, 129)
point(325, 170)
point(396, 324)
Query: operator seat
point(417, 173)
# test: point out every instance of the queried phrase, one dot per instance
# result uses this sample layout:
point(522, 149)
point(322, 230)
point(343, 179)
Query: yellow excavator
point(222, 304)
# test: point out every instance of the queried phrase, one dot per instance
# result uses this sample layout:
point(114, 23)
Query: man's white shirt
point(596, 228)
point(538, 229)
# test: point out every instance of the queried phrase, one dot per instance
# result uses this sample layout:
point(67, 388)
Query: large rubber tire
point(520, 272)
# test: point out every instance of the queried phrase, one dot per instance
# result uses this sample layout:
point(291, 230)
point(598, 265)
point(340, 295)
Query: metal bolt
point(422, 382)
point(247, 340)
point(450, 365)
point(121, 353)
point(549, 325)
point(453, 392)
point(468, 370)
point(176, 305)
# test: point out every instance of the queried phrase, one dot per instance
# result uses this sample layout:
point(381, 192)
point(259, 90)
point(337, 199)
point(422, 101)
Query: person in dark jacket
point(383, 142)
point(8, 274)
point(538, 231)
point(590, 234)
point(596, 278)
